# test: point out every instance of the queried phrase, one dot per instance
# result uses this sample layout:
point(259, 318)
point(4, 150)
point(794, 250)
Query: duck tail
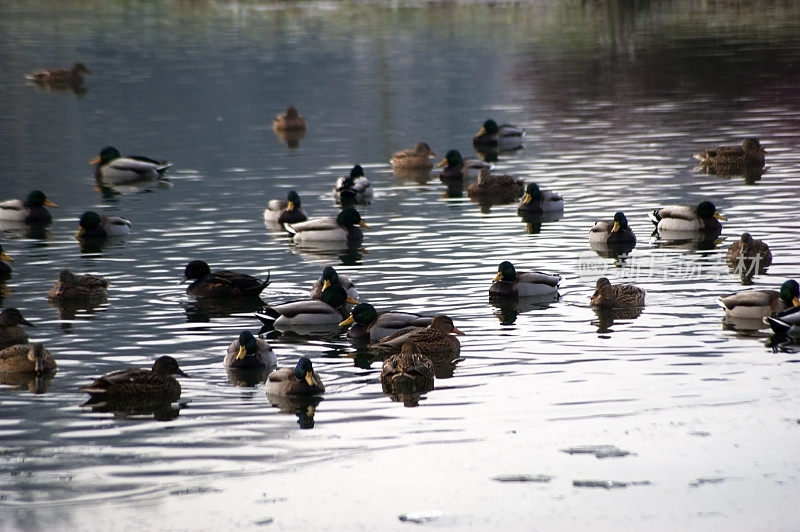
point(265, 283)
point(654, 216)
point(163, 168)
point(267, 315)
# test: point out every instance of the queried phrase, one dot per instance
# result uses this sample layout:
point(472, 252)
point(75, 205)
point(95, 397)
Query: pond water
point(555, 418)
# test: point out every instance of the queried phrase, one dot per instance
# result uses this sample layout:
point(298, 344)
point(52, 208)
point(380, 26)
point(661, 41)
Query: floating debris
point(523, 478)
point(421, 517)
point(608, 484)
point(701, 481)
point(599, 451)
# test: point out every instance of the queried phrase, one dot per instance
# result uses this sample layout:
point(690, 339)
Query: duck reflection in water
point(507, 309)
point(202, 310)
point(304, 407)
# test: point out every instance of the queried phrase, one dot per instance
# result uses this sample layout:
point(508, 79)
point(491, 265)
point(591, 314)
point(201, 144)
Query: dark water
point(702, 418)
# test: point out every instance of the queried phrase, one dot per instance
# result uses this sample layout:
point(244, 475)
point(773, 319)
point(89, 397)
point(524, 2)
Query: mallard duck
point(71, 286)
point(249, 352)
point(496, 187)
point(59, 76)
point(133, 383)
point(331, 277)
point(26, 358)
point(340, 230)
point(10, 331)
point(417, 157)
point(434, 341)
point(502, 137)
point(329, 309)
point(354, 188)
point(368, 324)
point(784, 320)
point(95, 226)
point(618, 295)
point(509, 283)
point(222, 283)
point(302, 380)
point(285, 212)
point(31, 210)
point(616, 231)
point(5, 266)
point(409, 371)
point(704, 217)
point(733, 158)
point(290, 120)
point(757, 304)
point(458, 169)
point(753, 255)
point(536, 201)
point(111, 165)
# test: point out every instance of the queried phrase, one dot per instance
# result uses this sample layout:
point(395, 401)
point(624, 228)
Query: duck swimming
point(458, 169)
point(497, 188)
point(758, 304)
point(331, 277)
point(302, 380)
point(344, 229)
point(222, 283)
point(289, 211)
point(505, 137)
point(59, 76)
point(616, 231)
point(249, 352)
point(749, 253)
point(329, 310)
point(26, 358)
point(368, 324)
point(703, 217)
point(418, 157)
point(733, 159)
point(112, 166)
point(354, 188)
point(94, 226)
point(510, 283)
point(409, 371)
point(30, 211)
point(134, 383)
point(616, 296)
point(5, 264)
point(72, 287)
point(434, 341)
point(10, 331)
point(290, 120)
point(536, 201)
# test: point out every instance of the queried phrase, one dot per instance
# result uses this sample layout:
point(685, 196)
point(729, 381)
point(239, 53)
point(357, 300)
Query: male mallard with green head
point(31, 210)
point(704, 218)
point(93, 226)
point(504, 137)
point(331, 277)
point(112, 166)
point(249, 352)
point(616, 231)
point(757, 304)
point(344, 229)
point(302, 380)
point(510, 283)
point(287, 211)
point(536, 201)
point(366, 323)
point(222, 283)
point(457, 169)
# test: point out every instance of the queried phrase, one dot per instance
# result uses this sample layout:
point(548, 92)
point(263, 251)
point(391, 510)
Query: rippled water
point(702, 419)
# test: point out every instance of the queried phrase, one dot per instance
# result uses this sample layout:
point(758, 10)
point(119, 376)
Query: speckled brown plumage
point(26, 358)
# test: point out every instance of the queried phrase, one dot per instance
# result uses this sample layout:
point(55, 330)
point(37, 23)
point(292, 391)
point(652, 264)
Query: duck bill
point(481, 132)
point(350, 320)
point(325, 284)
point(442, 163)
point(26, 322)
point(81, 231)
point(796, 301)
point(457, 331)
point(718, 216)
point(182, 374)
point(96, 160)
point(615, 228)
point(49, 203)
point(527, 199)
point(5, 257)
point(310, 379)
point(363, 224)
point(497, 277)
point(352, 301)
point(241, 353)
point(290, 206)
